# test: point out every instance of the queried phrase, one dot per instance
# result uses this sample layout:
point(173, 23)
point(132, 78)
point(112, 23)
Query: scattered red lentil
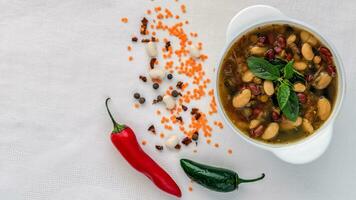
point(129, 48)
point(144, 142)
point(190, 188)
point(136, 105)
point(124, 20)
point(130, 58)
point(176, 60)
point(216, 145)
point(229, 151)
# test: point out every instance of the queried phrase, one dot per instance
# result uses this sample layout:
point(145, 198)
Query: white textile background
point(59, 60)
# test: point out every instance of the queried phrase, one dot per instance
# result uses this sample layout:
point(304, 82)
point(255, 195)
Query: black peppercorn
point(136, 95)
point(142, 100)
point(175, 93)
point(155, 86)
point(169, 76)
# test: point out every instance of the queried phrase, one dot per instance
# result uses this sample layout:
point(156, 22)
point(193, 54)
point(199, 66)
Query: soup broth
point(278, 83)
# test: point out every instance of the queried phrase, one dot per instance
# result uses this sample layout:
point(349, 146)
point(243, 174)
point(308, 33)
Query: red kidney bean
point(280, 41)
point(271, 38)
point(256, 112)
point(256, 132)
point(275, 116)
point(289, 56)
point(255, 90)
point(270, 55)
point(326, 54)
point(302, 97)
point(331, 70)
point(277, 49)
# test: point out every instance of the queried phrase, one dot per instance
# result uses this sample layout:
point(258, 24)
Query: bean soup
point(278, 83)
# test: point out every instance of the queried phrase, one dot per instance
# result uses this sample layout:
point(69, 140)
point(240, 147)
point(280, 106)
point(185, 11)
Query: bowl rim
point(340, 91)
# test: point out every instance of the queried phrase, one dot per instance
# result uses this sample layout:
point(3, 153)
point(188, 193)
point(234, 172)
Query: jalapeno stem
point(117, 127)
point(239, 180)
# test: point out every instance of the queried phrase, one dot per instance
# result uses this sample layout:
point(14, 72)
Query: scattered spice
point(168, 45)
point(195, 136)
point(152, 62)
point(179, 61)
point(130, 58)
point(144, 142)
point(159, 147)
point(216, 145)
point(136, 105)
point(186, 141)
point(229, 151)
point(124, 20)
point(143, 29)
point(178, 146)
point(143, 78)
point(179, 118)
point(141, 100)
point(185, 108)
point(190, 189)
point(175, 93)
point(145, 40)
point(134, 39)
point(161, 135)
point(137, 95)
point(129, 48)
point(155, 86)
point(152, 129)
point(179, 85)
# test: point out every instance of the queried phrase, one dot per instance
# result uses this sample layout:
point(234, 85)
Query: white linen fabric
point(59, 60)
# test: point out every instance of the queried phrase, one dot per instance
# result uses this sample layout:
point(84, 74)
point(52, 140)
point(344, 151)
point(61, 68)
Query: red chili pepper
point(124, 139)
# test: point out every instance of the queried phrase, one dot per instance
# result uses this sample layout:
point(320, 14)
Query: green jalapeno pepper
point(214, 178)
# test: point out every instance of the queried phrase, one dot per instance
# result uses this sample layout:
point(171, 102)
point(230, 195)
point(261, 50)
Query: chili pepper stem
point(117, 127)
point(239, 180)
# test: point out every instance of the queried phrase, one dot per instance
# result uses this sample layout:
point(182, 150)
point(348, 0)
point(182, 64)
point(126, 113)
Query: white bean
point(254, 123)
point(241, 99)
point(300, 65)
point(169, 102)
point(322, 80)
point(259, 51)
point(247, 76)
point(307, 51)
point(299, 87)
point(156, 73)
point(289, 125)
point(172, 141)
point(194, 51)
point(271, 131)
point(324, 108)
point(307, 126)
point(268, 87)
point(151, 49)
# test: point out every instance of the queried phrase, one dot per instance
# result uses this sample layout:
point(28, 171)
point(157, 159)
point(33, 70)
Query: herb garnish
point(280, 72)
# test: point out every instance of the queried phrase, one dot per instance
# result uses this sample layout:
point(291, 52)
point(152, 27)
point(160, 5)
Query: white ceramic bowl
point(304, 150)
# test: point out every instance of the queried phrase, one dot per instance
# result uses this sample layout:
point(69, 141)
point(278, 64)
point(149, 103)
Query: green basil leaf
point(278, 61)
point(291, 109)
point(288, 70)
point(262, 68)
point(283, 95)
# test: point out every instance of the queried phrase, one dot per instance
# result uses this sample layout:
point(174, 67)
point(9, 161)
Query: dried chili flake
point(143, 78)
point(159, 147)
point(168, 44)
point(144, 23)
point(185, 108)
point(179, 118)
point(178, 146)
point(152, 62)
point(152, 129)
point(145, 40)
point(186, 141)
point(194, 111)
point(179, 85)
point(195, 136)
point(134, 39)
